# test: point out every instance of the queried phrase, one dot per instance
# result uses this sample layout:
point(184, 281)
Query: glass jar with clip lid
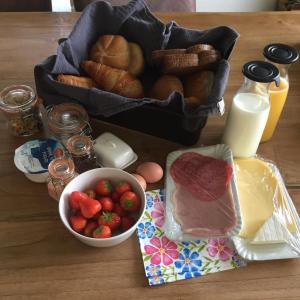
point(20, 106)
point(66, 120)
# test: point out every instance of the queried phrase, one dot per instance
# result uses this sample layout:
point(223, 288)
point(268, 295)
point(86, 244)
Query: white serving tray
point(171, 227)
point(270, 251)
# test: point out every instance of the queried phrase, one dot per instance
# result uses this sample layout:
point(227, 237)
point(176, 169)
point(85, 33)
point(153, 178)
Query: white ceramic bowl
point(89, 180)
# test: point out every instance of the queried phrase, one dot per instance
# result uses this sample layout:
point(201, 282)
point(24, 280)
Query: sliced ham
point(204, 219)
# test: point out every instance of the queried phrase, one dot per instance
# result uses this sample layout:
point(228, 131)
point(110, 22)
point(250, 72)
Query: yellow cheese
point(256, 187)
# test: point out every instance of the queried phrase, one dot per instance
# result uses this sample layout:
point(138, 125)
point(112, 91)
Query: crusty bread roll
point(137, 62)
point(199, 48)
point(164, 86)
point(77, 80)
point(114, 80)
point(179, 64)
point(197, 87)
point(157, 55)
point(111, 50)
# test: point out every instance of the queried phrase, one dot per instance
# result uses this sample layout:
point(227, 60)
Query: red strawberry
point(75, 198)
point(104, 187)
point(119, 210)
point(89, 207)
point(110, 219)
point(78, 223)
point(89, 228)
point(122, 187)
point(127, 222)
point(102, 232)
point(107, 203)
point(115, 197)
point(91, 193)
point(130, 201)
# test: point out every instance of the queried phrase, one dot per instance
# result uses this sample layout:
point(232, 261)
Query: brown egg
point(151, 171)
point(141, 180)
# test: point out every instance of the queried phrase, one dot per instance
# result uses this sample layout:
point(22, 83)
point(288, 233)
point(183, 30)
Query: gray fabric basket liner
point(136, 23)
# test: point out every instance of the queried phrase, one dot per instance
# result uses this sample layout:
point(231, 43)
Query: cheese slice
point(257, 185)
point(271, 232)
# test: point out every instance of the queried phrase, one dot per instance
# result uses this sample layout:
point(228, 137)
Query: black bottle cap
point(261, 71)
point(281, 54)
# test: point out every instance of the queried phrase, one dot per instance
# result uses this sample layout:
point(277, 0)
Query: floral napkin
point(168, 261)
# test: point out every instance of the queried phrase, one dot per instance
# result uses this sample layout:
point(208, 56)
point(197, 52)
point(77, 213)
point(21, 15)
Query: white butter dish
point(112, 152)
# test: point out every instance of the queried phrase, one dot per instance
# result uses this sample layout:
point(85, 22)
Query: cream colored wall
point(236, 5)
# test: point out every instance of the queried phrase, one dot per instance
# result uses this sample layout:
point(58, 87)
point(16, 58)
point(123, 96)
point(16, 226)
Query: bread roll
point(111, 50)
point(137, 62)
point(197, 87)
point(199, 48)
point(179, 64)
point(164, 86)
point(157, 55)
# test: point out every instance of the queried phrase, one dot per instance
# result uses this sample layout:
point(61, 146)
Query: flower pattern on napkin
point(167, 261)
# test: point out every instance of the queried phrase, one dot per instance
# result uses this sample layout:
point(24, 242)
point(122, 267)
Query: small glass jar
point(81, 149)
point(20, 106)
point(66, 120)
point(250, 108)
point(61, 172)
point(282, 56)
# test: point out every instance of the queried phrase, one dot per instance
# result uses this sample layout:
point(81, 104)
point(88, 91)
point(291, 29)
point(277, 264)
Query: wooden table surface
point(39, 259)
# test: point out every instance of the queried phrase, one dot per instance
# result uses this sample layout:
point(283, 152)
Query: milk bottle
point(250, 108)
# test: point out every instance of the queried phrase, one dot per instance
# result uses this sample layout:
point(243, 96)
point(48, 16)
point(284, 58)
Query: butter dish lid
point(113, 152)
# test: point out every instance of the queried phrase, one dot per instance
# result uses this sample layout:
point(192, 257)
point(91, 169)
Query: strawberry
point(119, 210)
point(78, 223)
point(91, 193)
point(89, 207)
point(127, 222)
point(89, 228)
point(102, 232)
point(107, 203)
point(110, 219)
point(122, 187)
point(75, 198)
point(104, 187)
point(115, 197)
point(130, 201)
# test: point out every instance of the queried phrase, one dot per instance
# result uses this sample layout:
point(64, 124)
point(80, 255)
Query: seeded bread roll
point(164, 86)
point(157, 55)
point(180, 64)
point(199, 47)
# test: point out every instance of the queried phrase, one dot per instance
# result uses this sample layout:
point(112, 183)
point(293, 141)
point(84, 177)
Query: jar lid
point(281, 53)
point(261, 71)
point(61, 168)
point(67, 117)
point(17, 97)
point(79, 145)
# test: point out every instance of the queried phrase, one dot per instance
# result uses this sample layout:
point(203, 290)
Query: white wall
point(235, 5)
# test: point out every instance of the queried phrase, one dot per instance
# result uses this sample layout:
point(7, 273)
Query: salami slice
point(205, 177)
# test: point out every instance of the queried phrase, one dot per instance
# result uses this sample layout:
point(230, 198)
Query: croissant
point(77, 80)
point(114, 80)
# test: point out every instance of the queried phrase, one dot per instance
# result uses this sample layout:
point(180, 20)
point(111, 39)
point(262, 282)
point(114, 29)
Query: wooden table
point(39, 259)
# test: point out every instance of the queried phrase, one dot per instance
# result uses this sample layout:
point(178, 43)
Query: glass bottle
point(20, 106)
point(282, 56)
point(66, 120)
point(81, 149)
point(250, 109)
point(61, 172)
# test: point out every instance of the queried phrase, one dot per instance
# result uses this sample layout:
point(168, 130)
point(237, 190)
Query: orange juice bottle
point(282, 56)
